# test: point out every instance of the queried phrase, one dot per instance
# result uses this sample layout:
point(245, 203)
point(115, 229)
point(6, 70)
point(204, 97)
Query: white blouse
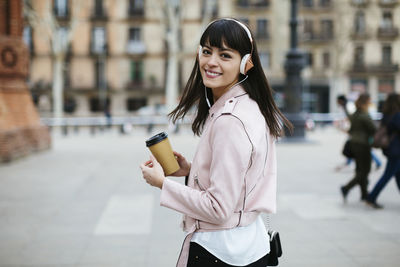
point(238, 246)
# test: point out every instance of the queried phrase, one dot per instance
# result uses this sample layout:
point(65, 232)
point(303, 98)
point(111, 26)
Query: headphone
point(245, 64)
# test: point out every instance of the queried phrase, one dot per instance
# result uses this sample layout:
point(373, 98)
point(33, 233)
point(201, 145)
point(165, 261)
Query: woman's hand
point(153, 173)
point(183, 164)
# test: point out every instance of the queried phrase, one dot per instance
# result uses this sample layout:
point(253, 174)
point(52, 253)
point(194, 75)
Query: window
point(309, 59)
point(387, 20)
point(98, 8)
point(100, 74)
point(308, 3)
point(262, 30)
point(134, 35)
point(265, 59)
point(386, 55)
point(359, 22)
point(308, 29)
point(135, 44)
point(209, 6)
point(327, 29)
point(326, 59)
point(136, 7)
point(135, 103)
point(243, 3)
point(97, 104)
point(62, 36)
point(245, 21)
point(325, 3)
point(99, 40)
point(359, 55)
point(27, 37)
point(359, 85)
point(136, 72)
point(60, 8)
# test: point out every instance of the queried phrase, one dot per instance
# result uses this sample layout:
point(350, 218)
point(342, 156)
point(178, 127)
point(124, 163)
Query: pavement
point(84, 204)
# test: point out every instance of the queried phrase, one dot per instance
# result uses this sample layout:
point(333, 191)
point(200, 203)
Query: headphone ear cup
point(249, 65)
point(199, 52)
point(246, 64)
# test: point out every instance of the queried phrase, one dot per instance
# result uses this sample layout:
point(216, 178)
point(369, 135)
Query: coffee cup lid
point(156, 139)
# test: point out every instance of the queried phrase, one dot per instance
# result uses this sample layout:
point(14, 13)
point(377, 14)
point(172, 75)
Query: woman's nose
point(213, 60)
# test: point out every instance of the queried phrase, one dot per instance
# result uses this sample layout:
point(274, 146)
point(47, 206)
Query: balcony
point(310, 37)
point(99, 16)
point(388, 3)
point(360, 3)
point(360, 35)
point(388, 32)
point(382, 68)
point(136, 48)
point(253, 4)
point(134, 13)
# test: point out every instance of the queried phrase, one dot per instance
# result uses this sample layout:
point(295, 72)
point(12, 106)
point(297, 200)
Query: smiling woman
point(219, 68)
point(232, 178)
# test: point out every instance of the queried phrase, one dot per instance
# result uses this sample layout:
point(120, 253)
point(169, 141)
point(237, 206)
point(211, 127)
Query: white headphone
point(245, 64)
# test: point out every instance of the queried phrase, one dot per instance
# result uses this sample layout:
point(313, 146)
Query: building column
point(397, 83)
point(373, 89)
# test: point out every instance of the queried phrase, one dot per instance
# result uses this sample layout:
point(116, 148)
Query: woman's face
point(219, 68)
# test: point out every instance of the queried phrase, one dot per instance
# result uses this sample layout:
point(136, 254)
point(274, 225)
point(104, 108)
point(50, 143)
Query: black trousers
point(200, 257)
point(362, 156)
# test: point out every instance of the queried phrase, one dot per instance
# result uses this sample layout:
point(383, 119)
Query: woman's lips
point(212, 74)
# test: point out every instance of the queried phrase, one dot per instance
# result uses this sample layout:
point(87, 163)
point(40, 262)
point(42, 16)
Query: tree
point(59, 37)
point(171, 13)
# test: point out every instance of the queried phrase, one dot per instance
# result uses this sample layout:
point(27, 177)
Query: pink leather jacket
point(233, 173)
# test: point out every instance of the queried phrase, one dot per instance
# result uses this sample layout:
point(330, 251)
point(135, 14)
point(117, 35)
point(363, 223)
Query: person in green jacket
point(361, 132)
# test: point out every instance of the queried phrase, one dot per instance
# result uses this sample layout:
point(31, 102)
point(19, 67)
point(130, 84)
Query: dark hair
point(392, 104)
point(230, 33)
point(362, 100)
point(341, 98)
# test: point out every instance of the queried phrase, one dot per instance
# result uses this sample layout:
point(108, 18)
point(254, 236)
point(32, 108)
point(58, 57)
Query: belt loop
point(197, 225)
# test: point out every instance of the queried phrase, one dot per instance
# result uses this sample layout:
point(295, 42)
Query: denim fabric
point(392, 169)
point(393, 126)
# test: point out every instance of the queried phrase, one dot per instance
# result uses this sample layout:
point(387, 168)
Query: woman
point(361, 132)
point(232, 178)
point(391, 119)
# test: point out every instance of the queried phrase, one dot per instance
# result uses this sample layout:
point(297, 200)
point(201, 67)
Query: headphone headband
point(246, 63)
point(245, 28)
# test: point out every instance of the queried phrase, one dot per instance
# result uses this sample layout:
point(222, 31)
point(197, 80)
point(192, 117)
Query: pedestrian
point(232, 177)
point(391, 120)
point(361, 132)
point(346, 105)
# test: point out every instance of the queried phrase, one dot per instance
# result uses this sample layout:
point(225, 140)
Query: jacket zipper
point(196, 179)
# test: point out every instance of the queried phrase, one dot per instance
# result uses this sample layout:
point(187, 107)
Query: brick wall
point(20, 130)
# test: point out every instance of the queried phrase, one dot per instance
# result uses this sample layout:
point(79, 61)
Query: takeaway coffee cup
point(161, 149)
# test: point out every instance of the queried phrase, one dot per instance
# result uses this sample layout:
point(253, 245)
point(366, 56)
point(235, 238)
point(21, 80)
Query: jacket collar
point(235, 91)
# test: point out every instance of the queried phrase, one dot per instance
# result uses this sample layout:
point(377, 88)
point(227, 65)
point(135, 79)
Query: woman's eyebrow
point(226, 49)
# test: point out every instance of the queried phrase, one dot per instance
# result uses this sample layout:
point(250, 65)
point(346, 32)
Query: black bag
point(275, 248)
point(382, 138)
point(347, 150)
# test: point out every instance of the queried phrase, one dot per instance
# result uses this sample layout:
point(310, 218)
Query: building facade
point(117, 57)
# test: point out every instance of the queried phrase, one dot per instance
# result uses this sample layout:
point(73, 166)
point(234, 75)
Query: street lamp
point(293, 83)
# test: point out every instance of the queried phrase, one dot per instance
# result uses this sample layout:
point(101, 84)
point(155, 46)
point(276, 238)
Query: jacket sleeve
point(370, 125)
point(230, 159)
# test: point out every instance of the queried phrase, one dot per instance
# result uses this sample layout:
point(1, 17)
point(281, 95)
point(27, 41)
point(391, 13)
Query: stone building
point(20, 130)
point(117, 56)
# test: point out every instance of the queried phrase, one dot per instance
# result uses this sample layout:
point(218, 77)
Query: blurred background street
point(84, 204)
point(83, 84)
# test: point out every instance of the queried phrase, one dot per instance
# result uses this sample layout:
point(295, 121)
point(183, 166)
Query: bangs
point(226, 33)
